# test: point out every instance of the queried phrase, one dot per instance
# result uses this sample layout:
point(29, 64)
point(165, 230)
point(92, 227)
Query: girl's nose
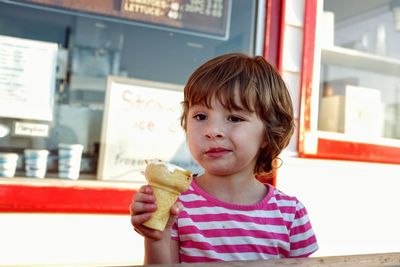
point(214, 130)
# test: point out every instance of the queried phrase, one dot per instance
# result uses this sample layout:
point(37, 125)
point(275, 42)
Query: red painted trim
point(281, 35)
point(43, 199)
point(267, 31)
point(310, 16)
point(273, 29)
point(339, 150)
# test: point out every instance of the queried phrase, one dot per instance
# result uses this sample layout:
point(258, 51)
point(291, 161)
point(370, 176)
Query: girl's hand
point(143, 205)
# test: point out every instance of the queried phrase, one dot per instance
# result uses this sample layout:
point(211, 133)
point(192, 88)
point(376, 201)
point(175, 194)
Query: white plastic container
point(8, 164)
point(69, 160)
point(36, 162)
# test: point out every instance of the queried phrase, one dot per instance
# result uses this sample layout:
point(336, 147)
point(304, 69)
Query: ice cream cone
point(167, 182)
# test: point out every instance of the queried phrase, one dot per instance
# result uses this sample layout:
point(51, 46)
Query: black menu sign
point(202, 17)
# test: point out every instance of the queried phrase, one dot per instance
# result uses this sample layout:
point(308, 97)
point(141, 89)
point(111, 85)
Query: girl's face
point(224, 142)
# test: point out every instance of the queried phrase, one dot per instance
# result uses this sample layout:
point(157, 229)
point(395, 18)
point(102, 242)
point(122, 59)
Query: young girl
point(238, 117)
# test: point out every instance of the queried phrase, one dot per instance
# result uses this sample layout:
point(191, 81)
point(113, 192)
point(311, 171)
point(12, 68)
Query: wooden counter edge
point(380, 259)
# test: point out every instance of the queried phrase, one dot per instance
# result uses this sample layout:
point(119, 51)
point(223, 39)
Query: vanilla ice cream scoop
point(168, 182)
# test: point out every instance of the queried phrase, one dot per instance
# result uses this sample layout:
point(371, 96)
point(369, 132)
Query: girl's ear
point(263, 144)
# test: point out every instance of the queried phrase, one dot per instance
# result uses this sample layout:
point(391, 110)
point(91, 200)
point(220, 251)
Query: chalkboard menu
point(209, 18)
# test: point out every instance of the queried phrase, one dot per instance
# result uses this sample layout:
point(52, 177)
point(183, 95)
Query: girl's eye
point(235, 119)
point(200, 117)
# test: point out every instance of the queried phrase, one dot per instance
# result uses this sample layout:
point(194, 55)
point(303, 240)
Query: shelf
point(359, 60)
point(88, 83)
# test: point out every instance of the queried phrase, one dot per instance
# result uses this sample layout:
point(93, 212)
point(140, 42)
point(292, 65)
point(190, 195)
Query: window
point(353, 109)
point(92, 46)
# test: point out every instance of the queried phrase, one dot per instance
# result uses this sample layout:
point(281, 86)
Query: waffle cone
point(164, 201)
point(167, 185)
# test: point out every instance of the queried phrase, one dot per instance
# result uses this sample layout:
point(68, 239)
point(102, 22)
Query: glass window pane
point(360, 72)
point(91, 47)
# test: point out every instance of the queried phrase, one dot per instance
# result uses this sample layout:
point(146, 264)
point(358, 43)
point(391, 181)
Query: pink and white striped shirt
point(210, 230)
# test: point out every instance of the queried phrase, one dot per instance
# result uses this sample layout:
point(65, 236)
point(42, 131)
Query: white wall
point(68, 239)
point(354, 207)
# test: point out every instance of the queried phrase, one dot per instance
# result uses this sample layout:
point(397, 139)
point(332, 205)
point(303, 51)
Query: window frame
point(311, 143)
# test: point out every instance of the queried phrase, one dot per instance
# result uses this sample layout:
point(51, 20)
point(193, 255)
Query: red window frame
point(64, 196)
point(322, 147)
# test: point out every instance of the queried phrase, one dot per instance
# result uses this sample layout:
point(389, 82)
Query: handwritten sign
point(209, 18)
point(31, 129)
point(141, 121)
point(27, 78)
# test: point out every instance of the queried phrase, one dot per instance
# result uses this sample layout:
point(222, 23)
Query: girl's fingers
point(175, 209)
point(144, 195)
point(137, 220)
point(142, 207)
point(146, 189)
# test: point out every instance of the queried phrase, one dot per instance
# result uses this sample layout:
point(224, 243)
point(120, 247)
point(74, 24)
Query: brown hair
point(261, 90)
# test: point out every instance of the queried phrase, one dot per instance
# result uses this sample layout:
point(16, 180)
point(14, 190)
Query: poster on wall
point(27, 78)
point(141, 121)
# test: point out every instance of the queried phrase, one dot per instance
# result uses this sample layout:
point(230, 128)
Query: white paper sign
point(27, 78)
point(141, 121)
point(31, 129)
point(363, 112)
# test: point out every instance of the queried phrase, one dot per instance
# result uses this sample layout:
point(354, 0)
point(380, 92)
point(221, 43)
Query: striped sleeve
point(302, 238)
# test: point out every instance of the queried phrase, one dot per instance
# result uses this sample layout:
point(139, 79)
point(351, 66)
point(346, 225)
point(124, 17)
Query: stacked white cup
point(8, 164)
point(69, 160)
point(36, 162)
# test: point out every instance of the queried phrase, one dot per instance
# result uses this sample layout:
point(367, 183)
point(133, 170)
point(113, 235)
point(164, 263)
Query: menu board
point(202, 17)
point(27, 78)
point(141, 121)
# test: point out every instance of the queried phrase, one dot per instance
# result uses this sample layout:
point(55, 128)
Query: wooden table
point(384, 259)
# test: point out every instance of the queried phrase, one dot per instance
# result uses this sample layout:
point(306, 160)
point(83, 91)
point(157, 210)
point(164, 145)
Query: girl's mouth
point(217, 152)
